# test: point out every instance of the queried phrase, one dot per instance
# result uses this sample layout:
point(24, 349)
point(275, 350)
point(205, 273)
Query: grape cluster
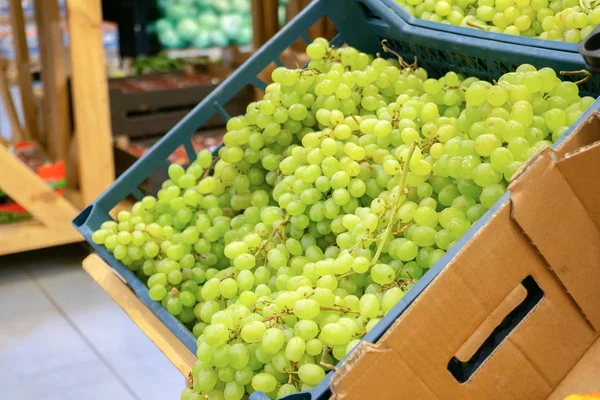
point(330, 198)
point(571, 24)
point(563, 20)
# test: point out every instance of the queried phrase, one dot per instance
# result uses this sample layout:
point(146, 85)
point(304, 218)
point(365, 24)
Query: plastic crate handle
point(589, 48)
point(467, 360)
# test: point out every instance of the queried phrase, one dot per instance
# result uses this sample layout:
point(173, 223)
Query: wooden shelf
point(157, 332)
point(31, 235)
point(52, 214)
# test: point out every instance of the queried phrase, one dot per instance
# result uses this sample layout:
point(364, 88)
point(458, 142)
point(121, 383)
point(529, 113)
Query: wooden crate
point(155, 112)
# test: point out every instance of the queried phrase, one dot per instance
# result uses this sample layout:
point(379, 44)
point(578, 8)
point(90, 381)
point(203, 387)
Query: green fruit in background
point(187, 28)
point(203, 23)
point(240, 6)
point(162, 25)
point(221, 6)
point(230, 25)
point(202, 4)
point(187, 3)
point(163, 4)
point(169, 38)
point(202, 39)
point(218, 39)
point(281, 15)
point(208, 20)
point(245, 36)
point(176, 11)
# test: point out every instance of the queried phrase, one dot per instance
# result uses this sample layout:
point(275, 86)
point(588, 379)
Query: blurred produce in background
point(205, 23)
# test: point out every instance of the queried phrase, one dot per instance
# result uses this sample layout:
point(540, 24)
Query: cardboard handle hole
point(463, 370)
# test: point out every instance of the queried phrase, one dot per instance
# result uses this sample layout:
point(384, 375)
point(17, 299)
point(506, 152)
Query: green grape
point(306, 309)
point(206, 379)
point(500, 158)
point(157, 292)
point(485, 175)
point(233, 391)
point(295, 349)
point(390, 298)
point(491, 194)
point(264, 382)
point(310, 374)
point(382, 274)
point(216, 334)
point(369, 306)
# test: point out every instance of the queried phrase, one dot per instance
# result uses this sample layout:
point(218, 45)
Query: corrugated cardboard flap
point(531, 347)
point(555, 201)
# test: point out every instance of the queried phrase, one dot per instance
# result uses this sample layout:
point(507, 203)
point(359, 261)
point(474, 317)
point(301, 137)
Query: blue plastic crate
point(481, 34)
point(361, 24)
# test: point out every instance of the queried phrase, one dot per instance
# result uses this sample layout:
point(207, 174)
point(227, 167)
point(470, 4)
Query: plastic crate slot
point(221, 111)
point(592, 42)
point(278, 62)
point(306, 38)
point(259, 83)
point(137, 193)
point(190, 151)
point(142, 113)
point(83, 216)
point(338, 40)
point(461, 370)
point(165, 165)
point(367, 11)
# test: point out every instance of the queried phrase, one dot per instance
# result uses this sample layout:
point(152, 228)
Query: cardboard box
point(516, 313)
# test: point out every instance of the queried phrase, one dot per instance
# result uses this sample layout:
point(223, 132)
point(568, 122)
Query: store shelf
point(31, 235)
point(51, 213)
point(213, 53)
point(157, 332)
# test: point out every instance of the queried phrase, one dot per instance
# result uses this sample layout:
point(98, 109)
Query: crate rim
point(480, 34)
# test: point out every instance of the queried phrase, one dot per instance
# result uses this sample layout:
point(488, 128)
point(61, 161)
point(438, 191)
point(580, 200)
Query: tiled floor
point(63, 338)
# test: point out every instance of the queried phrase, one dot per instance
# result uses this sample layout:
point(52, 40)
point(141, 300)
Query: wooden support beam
point(265, 21)
point(90, 95)
point(27, 189)
point(157, 332)
point(17, 23)
point(53, 214)
point(9, 104)
point(55, 103)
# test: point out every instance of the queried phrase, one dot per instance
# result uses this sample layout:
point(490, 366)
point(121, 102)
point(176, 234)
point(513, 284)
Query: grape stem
point(340, 309)
point(474, 25)
point(401, 61)
point(587, 75)
point(587, 6)
point(210, 168)
point(401, 186)
point(275, 316)
point(326, 351)
point(347, 274)
point(260, 302)
point(292, 379)
point(273, 233)
point(402, 228)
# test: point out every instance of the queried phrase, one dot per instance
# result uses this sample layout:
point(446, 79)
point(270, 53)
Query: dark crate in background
point(127, 151)
point(139, 113)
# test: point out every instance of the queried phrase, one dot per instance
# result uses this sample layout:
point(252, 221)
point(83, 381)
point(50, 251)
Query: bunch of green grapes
point(571, 24)
point(562, 20)
point(330, 198)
